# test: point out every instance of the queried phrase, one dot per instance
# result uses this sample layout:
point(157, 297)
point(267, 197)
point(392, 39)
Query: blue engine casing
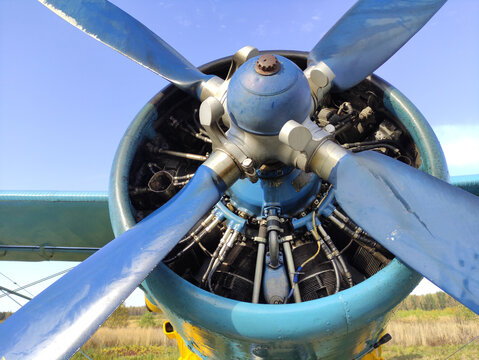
point(263, 104)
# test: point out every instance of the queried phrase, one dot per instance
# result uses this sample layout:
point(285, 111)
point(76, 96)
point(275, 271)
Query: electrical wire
point(39, 281)
point(15, 283)
point(346, 247)
point(324, 197)
point(316, 237)
point(394, 149)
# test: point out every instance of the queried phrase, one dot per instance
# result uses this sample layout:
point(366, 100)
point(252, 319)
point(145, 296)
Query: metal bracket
point(320, 78)
point(211, 111)
point(240, 57)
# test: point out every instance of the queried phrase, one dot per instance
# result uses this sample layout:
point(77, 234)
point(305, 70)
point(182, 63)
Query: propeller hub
point(262, 103)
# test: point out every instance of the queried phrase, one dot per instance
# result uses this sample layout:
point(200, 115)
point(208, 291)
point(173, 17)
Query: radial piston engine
point(277, 236)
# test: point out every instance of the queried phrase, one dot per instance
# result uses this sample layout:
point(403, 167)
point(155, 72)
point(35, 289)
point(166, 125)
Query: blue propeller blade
point(112, 26)
point(430, 225)
point(54, 324)
point(369, 34)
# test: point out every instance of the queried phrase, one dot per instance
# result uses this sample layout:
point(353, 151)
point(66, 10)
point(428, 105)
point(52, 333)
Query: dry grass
point(130, 335)
point(432, 332)
point(398, 352)
point(409, 329)
point(406, 332)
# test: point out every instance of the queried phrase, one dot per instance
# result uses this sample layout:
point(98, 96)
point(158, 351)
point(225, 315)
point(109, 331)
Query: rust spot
point(267, 65)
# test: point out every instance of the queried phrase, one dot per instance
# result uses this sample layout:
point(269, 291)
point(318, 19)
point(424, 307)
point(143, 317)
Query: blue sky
point(66, 99)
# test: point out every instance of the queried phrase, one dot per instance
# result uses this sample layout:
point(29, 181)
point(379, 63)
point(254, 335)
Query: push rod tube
point(291, 269)
point(258, 272)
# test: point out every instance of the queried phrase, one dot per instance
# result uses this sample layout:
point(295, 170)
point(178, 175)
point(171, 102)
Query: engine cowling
point(151, 166)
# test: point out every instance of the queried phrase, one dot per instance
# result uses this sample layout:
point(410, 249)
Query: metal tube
point(225, 236)
point(258, 272)
point(291, 270)
point(229, 244)
point(184, 177)
point(196, 239)
point(196, 230)
point(336, 222)
point(183, 155)
point(336, 272)
point(222, 255)
point(202, 137)
point(212, 224)
point(340, 215)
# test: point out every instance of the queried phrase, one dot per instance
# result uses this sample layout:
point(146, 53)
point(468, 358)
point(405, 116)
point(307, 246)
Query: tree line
point(436, 301)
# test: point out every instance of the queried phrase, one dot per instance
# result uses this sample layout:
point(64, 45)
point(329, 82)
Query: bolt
point(276, 300)
point(330, 128)
point(267, 65)
point(247, 163)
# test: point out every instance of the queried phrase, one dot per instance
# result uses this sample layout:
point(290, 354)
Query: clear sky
point(66, 99)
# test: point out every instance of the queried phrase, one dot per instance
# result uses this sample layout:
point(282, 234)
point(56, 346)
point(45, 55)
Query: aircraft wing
point(53, 225)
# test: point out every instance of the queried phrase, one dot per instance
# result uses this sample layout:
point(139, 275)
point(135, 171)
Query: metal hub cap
point(267, 65)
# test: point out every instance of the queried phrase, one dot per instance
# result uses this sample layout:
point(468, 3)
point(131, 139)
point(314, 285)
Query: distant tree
point(148, 320)
point(436, 301)
point(4, 315)
point(441, 300)
point(414, 302)
point(135, 310)
point(119, 318)
point(429, 302)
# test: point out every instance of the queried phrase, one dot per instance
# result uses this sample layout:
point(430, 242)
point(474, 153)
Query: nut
point(267, 65)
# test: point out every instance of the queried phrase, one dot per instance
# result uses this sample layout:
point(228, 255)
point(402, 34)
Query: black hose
point(342, 264)
point(332, 259)
point(373, 147)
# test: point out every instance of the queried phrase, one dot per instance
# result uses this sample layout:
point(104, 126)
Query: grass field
point(391, 352)
point(398, 352)
point(130, 352)
point(417, 334)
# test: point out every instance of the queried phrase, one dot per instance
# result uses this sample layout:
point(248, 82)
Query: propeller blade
point(54, 324)
point(369, 34)
point(430, 225)
point(112, 26)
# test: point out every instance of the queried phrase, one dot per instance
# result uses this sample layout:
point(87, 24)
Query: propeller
point(112, 26)
point(429, 224)
point(369, 34)
point(55, 323)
